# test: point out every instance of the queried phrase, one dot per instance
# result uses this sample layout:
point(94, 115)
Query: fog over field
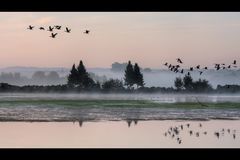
point(156, 77)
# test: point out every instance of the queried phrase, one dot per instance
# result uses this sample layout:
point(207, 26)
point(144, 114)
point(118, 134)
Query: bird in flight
point(179, 60)
point(234, 62)
point(30, 27)
point(86, 31)
point(53, 35)
point(41, 28)
point(58, 27)
point(50, 28)
point(68, 30)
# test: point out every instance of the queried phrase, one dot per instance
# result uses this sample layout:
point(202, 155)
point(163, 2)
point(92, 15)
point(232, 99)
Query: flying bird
point(42, 28)
point(50, 28)
point(58, 27)
point(53, 35)
point(68, 30)
point(86, 32)
point(30, 27)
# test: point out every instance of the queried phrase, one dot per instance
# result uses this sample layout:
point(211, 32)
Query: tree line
point(81, 80)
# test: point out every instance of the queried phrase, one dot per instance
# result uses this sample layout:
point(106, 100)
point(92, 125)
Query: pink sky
point(147, 38)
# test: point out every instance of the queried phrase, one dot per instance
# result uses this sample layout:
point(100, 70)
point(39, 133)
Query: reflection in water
point(80, 123)
point(129, 122)
point(167, 134)
point(175, 131)
point(135, 122)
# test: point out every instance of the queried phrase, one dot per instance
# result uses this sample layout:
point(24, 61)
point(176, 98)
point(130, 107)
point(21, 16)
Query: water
point(118, 134)
point(60, 126)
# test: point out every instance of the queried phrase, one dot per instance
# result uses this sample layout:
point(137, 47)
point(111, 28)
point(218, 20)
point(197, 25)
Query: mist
point(156, 77)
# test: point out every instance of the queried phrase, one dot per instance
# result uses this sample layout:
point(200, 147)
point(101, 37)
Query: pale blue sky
point(149, 38)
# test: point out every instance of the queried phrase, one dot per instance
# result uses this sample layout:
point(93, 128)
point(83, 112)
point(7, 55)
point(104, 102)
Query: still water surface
point(120, 134)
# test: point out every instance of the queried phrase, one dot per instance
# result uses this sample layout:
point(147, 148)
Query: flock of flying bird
point(56, 27)
point(218, 66)
point(174, 132)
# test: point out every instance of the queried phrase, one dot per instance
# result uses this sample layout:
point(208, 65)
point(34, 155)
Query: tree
point(201, 86)
point(83, 78)
point(72, 77)
point(188, 82)
point(129, 75)
point(113, 84)
point(178, 83)
point(138, 76)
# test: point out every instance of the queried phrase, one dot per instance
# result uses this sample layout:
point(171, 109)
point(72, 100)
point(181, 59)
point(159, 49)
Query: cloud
point(45, 20)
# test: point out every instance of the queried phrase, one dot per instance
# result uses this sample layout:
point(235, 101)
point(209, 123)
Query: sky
point(148, 38)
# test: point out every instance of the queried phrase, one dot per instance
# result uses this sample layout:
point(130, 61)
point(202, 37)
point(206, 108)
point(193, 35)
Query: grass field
point(116, 103)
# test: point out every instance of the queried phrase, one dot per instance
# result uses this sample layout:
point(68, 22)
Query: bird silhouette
point(228, 130)
point(191, 68)
point(53, 35)
point(198, 66)
point(190, 132)
point(217, 134)
point(229, 66)
point(206, 68)
point(58, 27)
point(181, 127)
point(30, 27)
point(200, 72)
point(166, 64)
point(68, 30)
point(188, 73)
point(180, 141)
point(234, 136)
point(179, 60)
point(197, 134)
point(86, 32)
point(50, 28)
point(234, 62)
point(42, 28)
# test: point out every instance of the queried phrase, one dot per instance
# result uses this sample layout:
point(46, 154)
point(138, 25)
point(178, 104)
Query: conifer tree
point(72, 77)
point(129, 75)
point(138, 76)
